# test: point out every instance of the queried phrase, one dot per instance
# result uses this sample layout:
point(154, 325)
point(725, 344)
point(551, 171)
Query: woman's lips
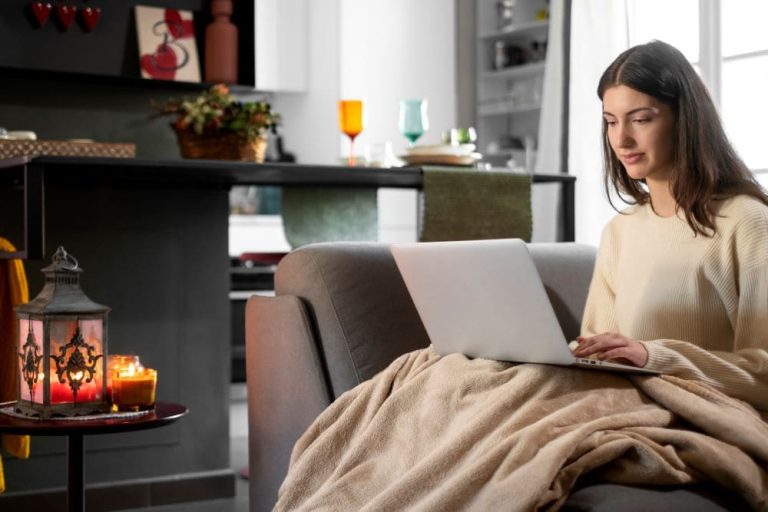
point(631, 158)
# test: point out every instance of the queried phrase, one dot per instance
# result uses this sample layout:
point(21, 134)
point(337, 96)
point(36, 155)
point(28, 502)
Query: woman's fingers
point(600, 343)
point(616, 353)
point(613, 347)
point(631, 352)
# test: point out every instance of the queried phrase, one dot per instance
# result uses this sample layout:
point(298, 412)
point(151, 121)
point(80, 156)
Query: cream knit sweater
point(698, 304)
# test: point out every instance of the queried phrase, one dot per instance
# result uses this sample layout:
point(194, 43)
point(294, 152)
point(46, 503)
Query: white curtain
point(598, 34)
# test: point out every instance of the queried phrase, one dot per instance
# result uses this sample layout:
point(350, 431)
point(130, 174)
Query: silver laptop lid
point(482, 298)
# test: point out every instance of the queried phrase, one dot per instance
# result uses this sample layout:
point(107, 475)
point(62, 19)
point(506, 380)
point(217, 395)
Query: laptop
point(484, 298)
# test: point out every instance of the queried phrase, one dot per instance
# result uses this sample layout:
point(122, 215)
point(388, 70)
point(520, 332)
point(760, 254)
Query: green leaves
point(216, 110)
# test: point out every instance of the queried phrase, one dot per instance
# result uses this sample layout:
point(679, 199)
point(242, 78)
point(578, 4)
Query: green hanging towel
point(329, 214)
point(467, 204)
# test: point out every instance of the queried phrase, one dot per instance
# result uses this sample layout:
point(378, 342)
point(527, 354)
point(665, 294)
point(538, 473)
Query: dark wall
point(77, 84)
point(110, 49)
point(162, 266)
point(58, 108)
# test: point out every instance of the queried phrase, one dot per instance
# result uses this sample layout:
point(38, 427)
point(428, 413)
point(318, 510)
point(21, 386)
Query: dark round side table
point(163, 414)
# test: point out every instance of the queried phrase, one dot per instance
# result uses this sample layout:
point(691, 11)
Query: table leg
point(34, 216)
point(568, 214)
point(75, 473)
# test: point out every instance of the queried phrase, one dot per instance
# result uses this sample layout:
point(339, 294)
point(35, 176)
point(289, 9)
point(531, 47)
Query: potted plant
point(217, 126)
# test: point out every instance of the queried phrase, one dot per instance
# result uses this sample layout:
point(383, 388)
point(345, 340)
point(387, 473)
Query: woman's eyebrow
point(653, 110)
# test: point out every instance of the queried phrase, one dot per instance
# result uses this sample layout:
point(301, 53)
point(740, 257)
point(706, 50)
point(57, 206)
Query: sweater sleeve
point(598, 311)
point(742, 373)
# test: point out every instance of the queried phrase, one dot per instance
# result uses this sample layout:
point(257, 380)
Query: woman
point(681, 279)
point(687, 262)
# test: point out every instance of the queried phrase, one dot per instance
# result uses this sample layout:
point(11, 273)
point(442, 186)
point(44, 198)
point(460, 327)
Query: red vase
point(221, 45)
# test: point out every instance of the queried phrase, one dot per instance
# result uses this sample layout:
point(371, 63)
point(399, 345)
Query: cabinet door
point(281, 45)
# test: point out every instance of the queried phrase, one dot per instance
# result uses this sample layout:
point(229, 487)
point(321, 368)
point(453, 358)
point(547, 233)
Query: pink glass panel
point(61, 332)
point(37, 331)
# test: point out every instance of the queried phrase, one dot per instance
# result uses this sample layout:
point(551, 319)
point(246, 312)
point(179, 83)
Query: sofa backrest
point(566, 270)
point(363, 317)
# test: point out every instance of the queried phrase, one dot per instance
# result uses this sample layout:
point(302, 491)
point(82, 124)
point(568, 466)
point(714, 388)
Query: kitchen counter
point(30, 173)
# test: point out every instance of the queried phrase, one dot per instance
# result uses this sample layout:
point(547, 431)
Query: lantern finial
point(62, 259)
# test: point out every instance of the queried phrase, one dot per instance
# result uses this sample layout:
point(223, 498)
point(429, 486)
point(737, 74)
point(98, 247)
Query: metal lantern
point(62, 347)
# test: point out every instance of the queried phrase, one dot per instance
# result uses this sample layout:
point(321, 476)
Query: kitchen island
point(152, 238)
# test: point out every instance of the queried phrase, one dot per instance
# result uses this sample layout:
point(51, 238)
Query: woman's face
point(641, 131)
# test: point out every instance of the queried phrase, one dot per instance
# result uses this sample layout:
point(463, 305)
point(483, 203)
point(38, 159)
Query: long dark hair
point(706, 167)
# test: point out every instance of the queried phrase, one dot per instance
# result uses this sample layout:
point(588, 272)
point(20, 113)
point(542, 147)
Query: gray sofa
point(341, 314)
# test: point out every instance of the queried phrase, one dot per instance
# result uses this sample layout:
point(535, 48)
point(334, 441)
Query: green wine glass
point(413, 119)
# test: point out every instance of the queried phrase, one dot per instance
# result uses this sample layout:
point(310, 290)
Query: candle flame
point(78, 376)
point(130, 371)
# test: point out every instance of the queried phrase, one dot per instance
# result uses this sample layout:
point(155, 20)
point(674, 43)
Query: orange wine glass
point(351, 123)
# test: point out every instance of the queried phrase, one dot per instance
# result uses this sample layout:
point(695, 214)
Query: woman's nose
point(625, 137)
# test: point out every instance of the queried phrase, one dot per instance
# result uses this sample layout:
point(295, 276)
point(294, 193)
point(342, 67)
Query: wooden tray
point(11, 148)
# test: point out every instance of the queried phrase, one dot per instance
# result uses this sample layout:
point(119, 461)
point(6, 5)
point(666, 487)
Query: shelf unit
point(518, 29)
point(502, 108)
point(532, 69)
point(509, 86)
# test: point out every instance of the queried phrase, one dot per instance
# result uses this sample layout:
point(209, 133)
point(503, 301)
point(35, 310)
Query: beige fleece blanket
point(449, 433)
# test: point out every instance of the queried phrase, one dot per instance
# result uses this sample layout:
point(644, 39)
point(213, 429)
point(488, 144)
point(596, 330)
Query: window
point(744, 103)
point(728, 45)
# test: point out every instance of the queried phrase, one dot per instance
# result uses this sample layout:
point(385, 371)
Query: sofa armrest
point(287, 389)
point(362, 315)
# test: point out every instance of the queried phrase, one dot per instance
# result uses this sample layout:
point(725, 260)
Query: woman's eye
point(610, 123)
point(641, 120)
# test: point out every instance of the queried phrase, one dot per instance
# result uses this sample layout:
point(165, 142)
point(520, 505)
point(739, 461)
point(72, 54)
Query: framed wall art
point(167, 48)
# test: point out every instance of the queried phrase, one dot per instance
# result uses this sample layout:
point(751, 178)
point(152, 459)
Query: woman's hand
point(614, 347)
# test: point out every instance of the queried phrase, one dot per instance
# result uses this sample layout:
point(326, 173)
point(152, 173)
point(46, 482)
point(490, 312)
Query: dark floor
point(238, 436)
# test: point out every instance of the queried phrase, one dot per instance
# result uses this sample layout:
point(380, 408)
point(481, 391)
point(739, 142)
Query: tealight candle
point(120, 363)
point(133, 388)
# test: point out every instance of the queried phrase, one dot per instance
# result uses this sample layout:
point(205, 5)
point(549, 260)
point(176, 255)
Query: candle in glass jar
point(117, 363)
point(134, 391)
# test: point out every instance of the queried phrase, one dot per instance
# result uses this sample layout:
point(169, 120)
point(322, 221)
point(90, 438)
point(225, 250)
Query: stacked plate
point(441, 154)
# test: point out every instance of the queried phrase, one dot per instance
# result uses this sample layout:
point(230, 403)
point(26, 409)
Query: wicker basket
point(228, 146)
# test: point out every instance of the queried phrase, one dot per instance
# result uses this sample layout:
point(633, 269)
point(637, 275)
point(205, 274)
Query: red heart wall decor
point(90, 17)
point(66, 14)
point(162, 64)
point(179, 28)
point(41, 10)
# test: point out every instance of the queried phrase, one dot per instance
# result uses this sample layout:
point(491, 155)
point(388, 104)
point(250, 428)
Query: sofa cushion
point(626, 498)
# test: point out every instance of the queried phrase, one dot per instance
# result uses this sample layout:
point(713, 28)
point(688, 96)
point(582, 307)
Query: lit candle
point(134, 389)
point(120, 363)
point(60, 392)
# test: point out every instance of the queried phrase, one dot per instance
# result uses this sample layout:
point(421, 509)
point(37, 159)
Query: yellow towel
point(13, 291)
